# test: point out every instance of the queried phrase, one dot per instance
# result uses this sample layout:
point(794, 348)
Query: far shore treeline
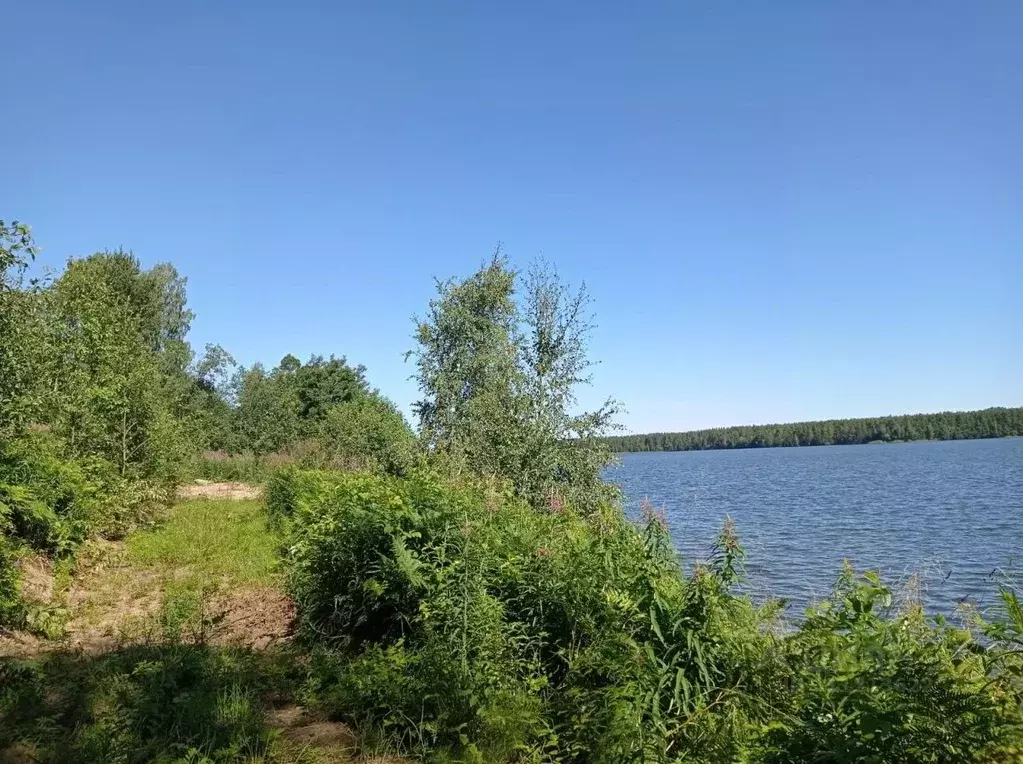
point(947, 425)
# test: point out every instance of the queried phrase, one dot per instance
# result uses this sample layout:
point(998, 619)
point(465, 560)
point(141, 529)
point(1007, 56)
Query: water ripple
point(947, 517)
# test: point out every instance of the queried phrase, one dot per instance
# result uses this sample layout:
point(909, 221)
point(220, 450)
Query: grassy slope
point(217, 539)
point(166, 655)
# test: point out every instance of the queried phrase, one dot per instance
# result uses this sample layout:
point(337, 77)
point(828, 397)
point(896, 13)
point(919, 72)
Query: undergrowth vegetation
point(172, 702)
point(466, 625)
point(100, 404)
point(105, 407)
point(166, 687)
point(216, 539)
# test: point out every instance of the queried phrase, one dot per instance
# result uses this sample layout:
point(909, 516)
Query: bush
point(459, 621)
point(49, 503)
point(131, 504)
point(868, 686)
point(366, 434)
point(49, 500)
point(462, 619)
point(53, 502)
point(288, 489)
point(371, 432)
point(11, 606)
point(152, 703)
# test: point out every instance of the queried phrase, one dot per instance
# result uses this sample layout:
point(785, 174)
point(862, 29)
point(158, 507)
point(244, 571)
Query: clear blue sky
point(783, 210)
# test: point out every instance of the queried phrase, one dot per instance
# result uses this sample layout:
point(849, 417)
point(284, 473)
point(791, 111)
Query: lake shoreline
point(982, 424)
point(816, 445)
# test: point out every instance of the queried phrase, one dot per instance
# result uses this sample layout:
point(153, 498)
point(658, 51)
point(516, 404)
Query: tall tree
point(16, 250)
point(566, 451)
point(499, 377)
point(468, 371)
point(322, 383)
point(275, 409)
point(211, 415)
point(267, 414)
point(110, 390)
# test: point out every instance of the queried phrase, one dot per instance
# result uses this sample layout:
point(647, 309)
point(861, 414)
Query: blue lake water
point(949, 513)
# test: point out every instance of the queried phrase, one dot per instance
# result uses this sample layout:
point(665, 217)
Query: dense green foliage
point(499, 378)
point(467, 626)
point(317, 414)
point(16, 250)
point(168, 694)
point(97, 401)
point(104, 406)
point(277, 409)
point(165, 702)
point(950, 425)
point(370, 433)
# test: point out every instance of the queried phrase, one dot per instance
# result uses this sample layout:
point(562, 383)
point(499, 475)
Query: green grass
point(223, 539)
point(162, 702)
point(169, 696)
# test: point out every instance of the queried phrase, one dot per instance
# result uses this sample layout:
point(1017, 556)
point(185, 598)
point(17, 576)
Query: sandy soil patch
point(203, 489)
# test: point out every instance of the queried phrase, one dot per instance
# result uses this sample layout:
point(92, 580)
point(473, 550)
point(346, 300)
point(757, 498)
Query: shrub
point(866, 685)
point(370, 429)
point(462, 619)
point(11, 606)
point(53, 501)
point(49, 499)
point(1006, 634)
point(131, 504)
point(49, 503)
point(167, 703)
point(288, 489)
point(460, 622)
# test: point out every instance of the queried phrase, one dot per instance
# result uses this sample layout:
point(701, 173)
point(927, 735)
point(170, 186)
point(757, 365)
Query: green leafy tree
point(16, 250)
point(370, 431)
point(276, 409)
point(97, 363)
point(566, 452)
point(211, 415)
point(109, 391)
point(267, 414)
point(322, 383)
point(499, 377)
point(468, 371)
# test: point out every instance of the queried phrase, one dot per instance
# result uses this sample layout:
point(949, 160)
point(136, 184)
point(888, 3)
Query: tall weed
point(463, 624)
point(461, 619)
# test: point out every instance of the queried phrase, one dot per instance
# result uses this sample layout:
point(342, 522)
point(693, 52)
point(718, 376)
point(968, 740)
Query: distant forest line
point(948, 425)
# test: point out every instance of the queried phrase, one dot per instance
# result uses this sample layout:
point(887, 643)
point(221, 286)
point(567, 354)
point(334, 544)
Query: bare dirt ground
point(203, 489)
point(332, 741)
point(112, 605)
